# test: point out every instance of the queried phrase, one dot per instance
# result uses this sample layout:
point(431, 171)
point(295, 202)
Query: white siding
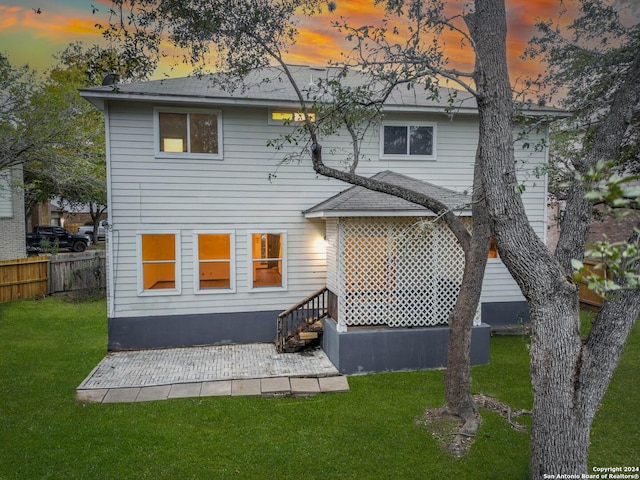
point(237, 194)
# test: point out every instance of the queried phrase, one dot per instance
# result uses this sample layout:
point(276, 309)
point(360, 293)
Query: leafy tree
point(588, 63)
point(569, 376)
point(73, 166)
point(17, 139)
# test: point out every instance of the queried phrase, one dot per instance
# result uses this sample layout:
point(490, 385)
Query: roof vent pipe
point(110, 79)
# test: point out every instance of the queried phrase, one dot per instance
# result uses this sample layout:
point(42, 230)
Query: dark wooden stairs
point(306, 335)
point(300, 327)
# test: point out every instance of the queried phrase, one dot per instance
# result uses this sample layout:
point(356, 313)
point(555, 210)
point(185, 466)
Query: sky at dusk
point(30, 38)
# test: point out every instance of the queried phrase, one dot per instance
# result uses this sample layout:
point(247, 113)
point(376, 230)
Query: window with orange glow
point(159, 263)
point(215, 257)
point(291, 117)
point(493, 250)
point(267, 260)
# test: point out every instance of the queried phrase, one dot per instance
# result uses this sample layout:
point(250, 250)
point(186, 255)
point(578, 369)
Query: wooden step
point(308, 335)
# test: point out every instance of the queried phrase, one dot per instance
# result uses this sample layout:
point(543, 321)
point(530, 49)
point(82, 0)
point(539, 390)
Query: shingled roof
point(269, 86)
point(359, 202)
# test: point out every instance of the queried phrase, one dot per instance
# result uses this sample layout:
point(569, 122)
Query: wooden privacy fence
point(23, 278)
point(77, 273)
point(589, 297)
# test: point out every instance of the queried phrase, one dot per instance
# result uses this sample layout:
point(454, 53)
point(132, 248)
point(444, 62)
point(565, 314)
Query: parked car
point(46, 235)
point(87, 230)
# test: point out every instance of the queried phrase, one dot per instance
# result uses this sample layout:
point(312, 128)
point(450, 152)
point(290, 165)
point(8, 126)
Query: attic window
point(194, 133)
point(415, 141)
point(284, 117)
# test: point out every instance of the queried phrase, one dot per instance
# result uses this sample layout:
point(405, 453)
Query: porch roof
point(359, 202)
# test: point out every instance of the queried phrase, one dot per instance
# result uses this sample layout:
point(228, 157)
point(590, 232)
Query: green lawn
point(48, 347)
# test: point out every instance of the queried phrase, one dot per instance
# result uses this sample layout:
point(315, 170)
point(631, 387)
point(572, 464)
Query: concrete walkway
point(253, 369)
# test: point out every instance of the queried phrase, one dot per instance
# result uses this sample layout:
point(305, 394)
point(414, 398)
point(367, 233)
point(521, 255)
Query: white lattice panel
point(397, 271)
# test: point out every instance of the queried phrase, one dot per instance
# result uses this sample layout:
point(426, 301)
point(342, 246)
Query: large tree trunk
point(568, 378)
point(459, 400)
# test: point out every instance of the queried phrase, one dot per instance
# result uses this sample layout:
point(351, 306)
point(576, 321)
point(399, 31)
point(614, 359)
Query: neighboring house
point(59, 213)
point(615, 228)
point(12, 241)
point(212, 236)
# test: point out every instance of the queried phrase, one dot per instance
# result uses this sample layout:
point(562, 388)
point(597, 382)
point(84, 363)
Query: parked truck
point(46, 236)
point(87, 230)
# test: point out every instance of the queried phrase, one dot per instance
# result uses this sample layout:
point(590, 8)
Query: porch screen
point(397, 271)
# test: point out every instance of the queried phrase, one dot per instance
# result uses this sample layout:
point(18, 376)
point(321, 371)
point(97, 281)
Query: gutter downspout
point(545, 216)
point(111, 260)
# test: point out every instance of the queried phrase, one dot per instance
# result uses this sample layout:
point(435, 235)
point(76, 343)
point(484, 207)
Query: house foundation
point(378, 349)
point(169, 331)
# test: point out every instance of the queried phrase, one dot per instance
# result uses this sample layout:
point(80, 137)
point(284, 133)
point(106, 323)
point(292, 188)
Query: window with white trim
point(289, 117)
point(158, 263)
point(196, 133)
point(214, 262)
point(409, 141)
point(268, 260)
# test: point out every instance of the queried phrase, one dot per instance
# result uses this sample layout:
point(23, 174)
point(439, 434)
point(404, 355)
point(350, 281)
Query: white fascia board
point(467, 111)
point(93, 97)
point(369, 213)
point(426, 109)
point(99, 103)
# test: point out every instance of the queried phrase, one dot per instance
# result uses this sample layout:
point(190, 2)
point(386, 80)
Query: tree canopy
point(590, 60)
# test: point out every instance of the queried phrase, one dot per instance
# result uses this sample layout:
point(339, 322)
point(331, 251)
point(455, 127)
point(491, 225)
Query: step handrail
point(314, 306)
point(303, 302)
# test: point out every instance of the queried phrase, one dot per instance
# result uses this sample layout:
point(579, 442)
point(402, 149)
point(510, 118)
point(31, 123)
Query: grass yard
point(48, 347)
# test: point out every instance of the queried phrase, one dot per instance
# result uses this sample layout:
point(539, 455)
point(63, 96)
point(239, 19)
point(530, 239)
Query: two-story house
point(211, 236)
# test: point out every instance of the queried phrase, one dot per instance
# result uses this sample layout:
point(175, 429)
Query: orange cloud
point(59, 27)
point(9, 17)
point(315, 47)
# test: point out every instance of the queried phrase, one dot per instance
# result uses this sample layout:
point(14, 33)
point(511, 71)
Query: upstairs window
point(408, 141)
point(196, 133)
point(158, 263)
point(287, 117)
